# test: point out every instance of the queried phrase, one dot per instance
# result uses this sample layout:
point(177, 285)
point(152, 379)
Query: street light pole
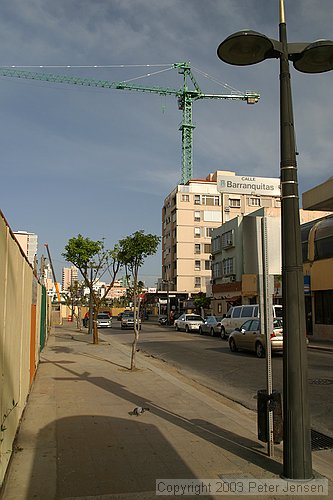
point(91, 303)
point(297, 460)
point(250, 47)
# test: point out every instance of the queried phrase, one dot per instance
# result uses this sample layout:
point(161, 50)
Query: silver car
point(211, 326)
point(104, 320)
point(250, 338)
point(189, 322)
point(127, 320)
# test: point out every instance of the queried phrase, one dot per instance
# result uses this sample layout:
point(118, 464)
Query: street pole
point(251, 47)
point(90, 329)
point(297, 462)
point(168, 302)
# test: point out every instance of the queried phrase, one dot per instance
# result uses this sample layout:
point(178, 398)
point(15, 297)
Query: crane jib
point(185, 97)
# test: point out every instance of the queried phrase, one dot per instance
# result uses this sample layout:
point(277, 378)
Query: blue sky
point(100, 162)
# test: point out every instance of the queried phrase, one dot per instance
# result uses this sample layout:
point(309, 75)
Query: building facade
point(29, 244)
point(237, 249)
point(191, 212)
point(237, 259)
point(69, 277)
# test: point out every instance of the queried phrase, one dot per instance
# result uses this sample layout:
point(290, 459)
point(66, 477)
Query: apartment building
point(191, 212)
point(29, 243)
point(69, 277)
point(237, 257)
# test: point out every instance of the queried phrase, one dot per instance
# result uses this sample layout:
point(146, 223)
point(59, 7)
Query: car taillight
point(273, 335)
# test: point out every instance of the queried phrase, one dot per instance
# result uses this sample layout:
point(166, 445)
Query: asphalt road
point(238, 376)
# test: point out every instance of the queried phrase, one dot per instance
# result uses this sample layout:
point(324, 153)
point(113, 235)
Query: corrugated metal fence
point(23, 331)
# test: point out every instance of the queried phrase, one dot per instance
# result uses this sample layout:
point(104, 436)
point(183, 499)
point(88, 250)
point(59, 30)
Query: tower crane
point(184, 95)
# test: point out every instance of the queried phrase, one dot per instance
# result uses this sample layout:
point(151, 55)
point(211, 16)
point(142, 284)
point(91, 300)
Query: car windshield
point(103, 316)
point(194, 317)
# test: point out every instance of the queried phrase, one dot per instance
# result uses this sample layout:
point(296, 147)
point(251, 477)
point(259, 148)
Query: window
point(227, 239)
point(173, 215)
point(197, 265)
point(219, 308)
point(207, 248)
point(208, 265)
point(324, 307)
point(197, 282)
point(197, 199)
point(197, 232)
point(211, 200)
point(324, 240)
point(208, 232)
point(197, 216)
point(254, 202)
point(185, 197)
point(212, 216)
point(228, 266)
point(234, 202)
point(216, 270)
point(216, 242)
point(197, 248)
point(236, 312)
point(247, 312)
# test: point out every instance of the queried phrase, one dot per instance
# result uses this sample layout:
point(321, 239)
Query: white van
point(237, 315)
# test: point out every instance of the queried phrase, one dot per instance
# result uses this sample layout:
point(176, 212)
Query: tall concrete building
point(29, 243)
point(192, 211)
point(69, 276)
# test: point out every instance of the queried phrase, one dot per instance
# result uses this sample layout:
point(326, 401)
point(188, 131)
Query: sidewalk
point(78, 441)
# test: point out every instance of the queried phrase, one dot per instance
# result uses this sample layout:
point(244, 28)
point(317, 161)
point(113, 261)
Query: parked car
point(250, 338)
point(120, 315)
point(127, 320)
point(211, 326)
point(237, 315)
point(188, 322)
point(104, 320)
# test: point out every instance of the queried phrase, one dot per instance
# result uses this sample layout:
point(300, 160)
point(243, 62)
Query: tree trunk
point(134, 344)
point(95, 331)
point(136, 328)
point(79, 319)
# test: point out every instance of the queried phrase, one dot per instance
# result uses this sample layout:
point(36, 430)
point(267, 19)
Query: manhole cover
point(320, 381)
point(320, 442)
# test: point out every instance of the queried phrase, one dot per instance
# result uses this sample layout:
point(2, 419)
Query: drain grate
point(320, 442)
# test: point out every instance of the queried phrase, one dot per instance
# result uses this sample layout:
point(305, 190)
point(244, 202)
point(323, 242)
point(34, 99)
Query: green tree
point(201, 302)
point(93, 261)
point(74, 300)
point(132, 252)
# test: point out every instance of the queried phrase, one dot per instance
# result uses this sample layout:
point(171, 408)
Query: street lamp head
point(246, 47)
point(317, 57)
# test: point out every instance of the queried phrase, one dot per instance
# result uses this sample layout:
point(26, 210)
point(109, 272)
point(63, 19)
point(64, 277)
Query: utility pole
point(91, 308)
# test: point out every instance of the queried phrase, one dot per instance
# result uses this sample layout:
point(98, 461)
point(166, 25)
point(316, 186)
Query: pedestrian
point(86, 319)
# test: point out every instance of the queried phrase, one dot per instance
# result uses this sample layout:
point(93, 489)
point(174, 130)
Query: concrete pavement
point(78, 439)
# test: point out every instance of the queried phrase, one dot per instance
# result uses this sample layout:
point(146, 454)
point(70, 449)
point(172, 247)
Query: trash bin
point(264, 404)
